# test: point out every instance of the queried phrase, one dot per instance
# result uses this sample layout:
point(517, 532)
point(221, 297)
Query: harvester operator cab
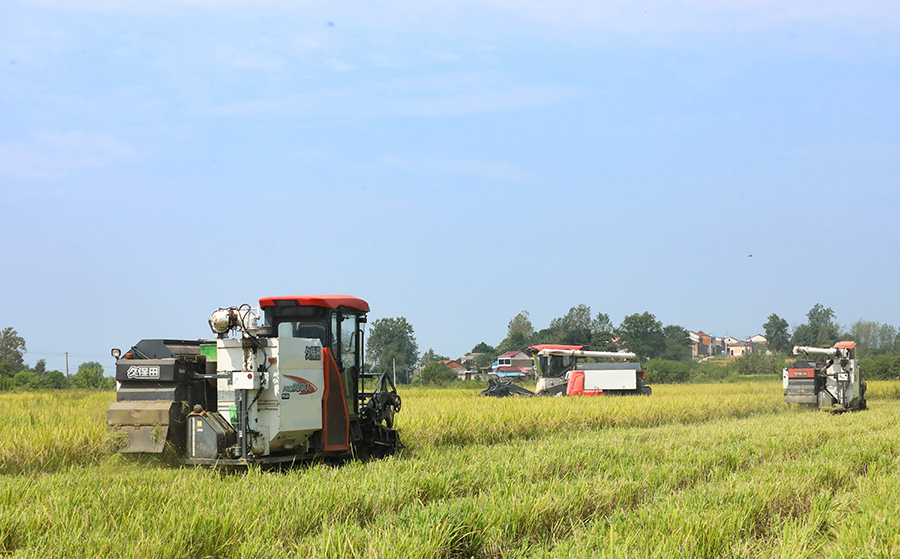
point(339, 329)
point(555, 366)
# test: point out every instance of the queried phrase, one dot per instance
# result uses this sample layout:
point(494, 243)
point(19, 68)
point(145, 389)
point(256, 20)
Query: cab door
point(348, 351)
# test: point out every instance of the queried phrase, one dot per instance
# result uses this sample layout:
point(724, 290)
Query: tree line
point(16, 374)
point(822, 330)
point(877, 344)
point(664, 349)
point(391, 348)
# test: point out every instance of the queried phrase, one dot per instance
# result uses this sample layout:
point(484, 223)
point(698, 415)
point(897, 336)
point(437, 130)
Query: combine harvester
point(563, 370)
point(833, 384)
point(287, 390)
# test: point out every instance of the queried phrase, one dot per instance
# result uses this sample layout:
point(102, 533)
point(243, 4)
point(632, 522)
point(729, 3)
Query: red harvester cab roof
point(555, 346)
point(327, 301)
point(845, 345)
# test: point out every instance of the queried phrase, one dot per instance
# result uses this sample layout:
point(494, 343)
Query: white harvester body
point(288, 409)
point(834, 383)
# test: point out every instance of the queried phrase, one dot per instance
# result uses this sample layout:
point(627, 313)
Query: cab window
point(303, 329)
point(349, 337)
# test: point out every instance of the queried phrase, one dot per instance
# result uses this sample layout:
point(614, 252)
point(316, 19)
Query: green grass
point(693, 471)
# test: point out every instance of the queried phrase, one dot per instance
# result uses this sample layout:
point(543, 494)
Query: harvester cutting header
point(289, 386)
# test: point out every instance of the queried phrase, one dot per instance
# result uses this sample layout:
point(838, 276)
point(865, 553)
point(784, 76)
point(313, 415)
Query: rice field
point(692, 471)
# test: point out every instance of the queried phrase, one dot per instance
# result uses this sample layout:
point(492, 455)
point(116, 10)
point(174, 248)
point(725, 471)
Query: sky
point(453, 162)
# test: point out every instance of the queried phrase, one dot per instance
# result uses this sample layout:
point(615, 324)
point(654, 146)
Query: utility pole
point(394, 365)
point(67, 369)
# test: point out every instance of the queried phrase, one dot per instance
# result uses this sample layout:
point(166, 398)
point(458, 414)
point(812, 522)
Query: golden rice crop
point(692, 471)
point(455, 417)
point(47, 431)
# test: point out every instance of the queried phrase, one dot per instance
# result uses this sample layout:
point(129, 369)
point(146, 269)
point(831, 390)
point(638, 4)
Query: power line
point(60, 353)
point(39, 353)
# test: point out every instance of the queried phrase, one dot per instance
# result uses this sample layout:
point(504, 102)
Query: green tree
point(603, 334)
point(484, 348)
point(777, 334)
point(436, 373)
point(643, 335)
point(484, 360)
point(519, 334)
point(873, 338)
point(756, 362)
point(41, 367)
point(602, 323)
point(662, 371)
point(887, 338)
point(23, 378)
point(56, 380)
point(89, 375)
point(488, 354)
point(881, 367)
point(820, 329)
point(577, 328)
point(430, 356)
point(574, 328)
point(391, 341)
point(677, 344)
point(12, 349)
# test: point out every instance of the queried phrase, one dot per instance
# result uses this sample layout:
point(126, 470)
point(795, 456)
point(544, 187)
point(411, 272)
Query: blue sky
point(453, 162)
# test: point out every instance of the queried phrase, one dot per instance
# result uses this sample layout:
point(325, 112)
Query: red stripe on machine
point(303, 386)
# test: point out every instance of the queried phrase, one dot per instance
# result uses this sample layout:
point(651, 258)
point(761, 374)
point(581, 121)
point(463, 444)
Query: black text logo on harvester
point(299, 386)
point(142, 372)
